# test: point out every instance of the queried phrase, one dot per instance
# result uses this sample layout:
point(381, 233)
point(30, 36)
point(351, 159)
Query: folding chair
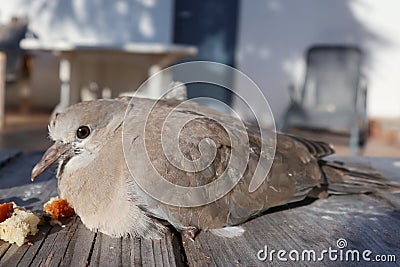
point(332, 100)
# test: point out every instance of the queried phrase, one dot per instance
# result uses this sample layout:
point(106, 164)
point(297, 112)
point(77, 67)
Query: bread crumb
point(58, 208)
point(18, 226)
point(6, 210)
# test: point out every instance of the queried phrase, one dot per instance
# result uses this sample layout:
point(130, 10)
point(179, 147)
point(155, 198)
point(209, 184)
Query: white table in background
point(109, 65)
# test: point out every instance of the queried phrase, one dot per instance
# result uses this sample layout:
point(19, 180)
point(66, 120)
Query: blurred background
point(357, 45)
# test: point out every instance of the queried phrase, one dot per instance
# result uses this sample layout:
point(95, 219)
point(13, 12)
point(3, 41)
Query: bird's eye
point(83, 132)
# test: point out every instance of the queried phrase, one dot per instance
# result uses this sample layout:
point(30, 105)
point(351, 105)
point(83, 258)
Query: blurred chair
point(332, 102)
point(14, 63)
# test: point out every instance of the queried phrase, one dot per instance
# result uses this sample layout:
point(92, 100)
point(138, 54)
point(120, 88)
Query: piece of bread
point(58, 208)
point(6, 211)
point(19, 225)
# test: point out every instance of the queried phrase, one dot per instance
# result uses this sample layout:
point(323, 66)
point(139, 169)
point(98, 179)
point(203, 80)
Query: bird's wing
point(317, 148)
point(295, 171)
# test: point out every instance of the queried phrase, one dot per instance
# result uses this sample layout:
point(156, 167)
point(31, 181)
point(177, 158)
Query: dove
point(108, 149)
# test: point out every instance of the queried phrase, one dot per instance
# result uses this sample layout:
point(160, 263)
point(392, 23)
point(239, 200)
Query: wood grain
point(73, 244)
point(364, 221)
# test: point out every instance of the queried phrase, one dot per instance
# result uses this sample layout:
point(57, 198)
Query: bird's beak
point(49, 158)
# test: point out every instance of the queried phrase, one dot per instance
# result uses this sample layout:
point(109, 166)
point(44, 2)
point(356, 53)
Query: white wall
point(89, 22)
point(273, 36)
point(94, 21)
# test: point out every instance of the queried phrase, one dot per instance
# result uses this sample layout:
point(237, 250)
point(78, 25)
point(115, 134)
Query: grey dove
point(96, 178)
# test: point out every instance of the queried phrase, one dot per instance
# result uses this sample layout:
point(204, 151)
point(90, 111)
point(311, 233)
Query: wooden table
point(366, 222)
point(118, 67)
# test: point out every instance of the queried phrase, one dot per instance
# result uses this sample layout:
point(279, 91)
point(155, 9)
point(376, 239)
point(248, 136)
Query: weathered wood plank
point(15, 184)
point(31, 196)
point(389, 167)
point(12, 256)
point(364, 223)
point(3, 62)
point(172, 250)
point(7, 155)
point(56, 244)
point(106, 251)
point(80, 247)
point(24, 255)
point(137, 256)
point(73, 245)
point(18, 171)
point(4, 246)
point(131, 251)
point(147, 253)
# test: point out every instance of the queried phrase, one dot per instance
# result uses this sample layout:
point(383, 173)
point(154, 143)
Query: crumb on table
point(58, 207)
point(6, 211)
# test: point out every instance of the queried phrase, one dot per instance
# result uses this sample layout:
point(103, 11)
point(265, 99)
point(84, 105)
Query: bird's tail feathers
point(354, 178)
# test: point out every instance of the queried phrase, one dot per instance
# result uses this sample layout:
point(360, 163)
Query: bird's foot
point(190, 233)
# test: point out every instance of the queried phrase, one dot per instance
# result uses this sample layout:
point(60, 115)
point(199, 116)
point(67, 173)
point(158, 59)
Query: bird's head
point(80, 132)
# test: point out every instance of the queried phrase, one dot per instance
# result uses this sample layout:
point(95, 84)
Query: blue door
point(211, 25)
